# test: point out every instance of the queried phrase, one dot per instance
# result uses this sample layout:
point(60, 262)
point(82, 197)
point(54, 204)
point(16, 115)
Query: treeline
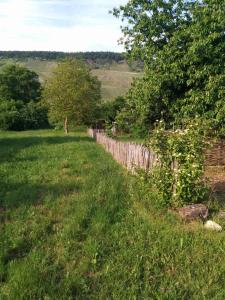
point(55, 55)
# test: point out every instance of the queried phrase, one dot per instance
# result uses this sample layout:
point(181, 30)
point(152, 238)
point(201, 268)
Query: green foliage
point(20, 91)
point(19, 83)
point(151, 24)
point(142, 107)
point(182, 44)
point(178, 176)
point(15, 115)
point(110, 109)
point(108, 112)
point(9, 114)
point(74, 225)
point(203, 62)
point(72, 93)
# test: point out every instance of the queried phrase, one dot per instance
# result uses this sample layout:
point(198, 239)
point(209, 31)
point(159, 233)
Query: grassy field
point(75, 225)
point(114, 82)
point(115, 78)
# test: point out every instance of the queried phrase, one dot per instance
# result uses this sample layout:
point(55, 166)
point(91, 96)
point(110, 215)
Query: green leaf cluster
point(72, 93)
point(15, 115)
point(19, 83)
point(110, 109)
point(182, 44)
point(178, 175)
point(20, 106)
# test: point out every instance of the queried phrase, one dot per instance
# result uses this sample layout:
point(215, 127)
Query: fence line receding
point(130, 155)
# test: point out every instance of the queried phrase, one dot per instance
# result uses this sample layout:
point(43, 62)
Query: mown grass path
point(75, 225)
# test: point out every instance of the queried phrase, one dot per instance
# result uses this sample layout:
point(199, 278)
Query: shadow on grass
point(9, 147)
point(13, 195)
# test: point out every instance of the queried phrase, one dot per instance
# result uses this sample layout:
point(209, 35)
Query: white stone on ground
point(211, 225)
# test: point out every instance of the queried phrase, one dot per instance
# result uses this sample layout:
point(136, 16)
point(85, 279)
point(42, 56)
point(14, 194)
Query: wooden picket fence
point(215, 155)
point(133, 156)
point(130, 155)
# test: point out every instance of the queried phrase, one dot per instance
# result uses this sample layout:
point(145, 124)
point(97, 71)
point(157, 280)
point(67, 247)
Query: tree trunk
point(66, 126)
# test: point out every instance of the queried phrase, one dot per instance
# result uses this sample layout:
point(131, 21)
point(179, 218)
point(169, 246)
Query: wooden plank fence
point(130, 155)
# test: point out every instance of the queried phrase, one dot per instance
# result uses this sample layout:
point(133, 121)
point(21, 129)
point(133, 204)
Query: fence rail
point(130, 155)
point(133, 155)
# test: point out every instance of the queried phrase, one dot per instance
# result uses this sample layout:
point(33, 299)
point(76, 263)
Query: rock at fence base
point(194, 211)
point(221, 215)
point(211, 225)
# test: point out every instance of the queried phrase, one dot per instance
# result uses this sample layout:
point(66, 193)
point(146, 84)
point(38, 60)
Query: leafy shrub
point(35, 116)
point(178, 176)
point(15, 115)
point(110, 109)
point(20, 107)
point(19, 83)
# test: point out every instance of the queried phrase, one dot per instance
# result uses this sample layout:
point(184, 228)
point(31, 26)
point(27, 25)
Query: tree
point(15, 115)
point(19, 83)
point(72, 94)
point(20, 106)
point(151, 24)
point(110, 109)
point(182, 44)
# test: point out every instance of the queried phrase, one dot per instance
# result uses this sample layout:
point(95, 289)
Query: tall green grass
point(75, 225)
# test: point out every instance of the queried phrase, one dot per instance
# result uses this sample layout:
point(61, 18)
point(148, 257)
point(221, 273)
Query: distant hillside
point(116, 80)
point(115, 73)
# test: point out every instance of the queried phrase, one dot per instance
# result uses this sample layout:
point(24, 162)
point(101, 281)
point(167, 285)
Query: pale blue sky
point(59, 25)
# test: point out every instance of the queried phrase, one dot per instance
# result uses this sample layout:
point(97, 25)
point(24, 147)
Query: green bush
point(15, 115)
point(9, 114)
point(178, 175)
point(20, 106)
point(109, 110)
point(19, 83)
point(182, 45)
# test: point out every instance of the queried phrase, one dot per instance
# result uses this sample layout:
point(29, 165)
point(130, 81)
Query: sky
point(59, 25)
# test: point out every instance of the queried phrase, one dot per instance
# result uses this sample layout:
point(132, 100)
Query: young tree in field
point(72, 94)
